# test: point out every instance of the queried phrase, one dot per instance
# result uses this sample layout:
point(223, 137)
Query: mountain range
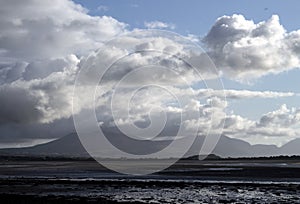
point(70, 145)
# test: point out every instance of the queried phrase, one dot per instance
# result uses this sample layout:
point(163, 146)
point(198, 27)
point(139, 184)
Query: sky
point(254, 46)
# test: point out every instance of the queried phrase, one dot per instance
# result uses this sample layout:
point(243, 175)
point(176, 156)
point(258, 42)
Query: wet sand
point(236, 181)
point(143, 191)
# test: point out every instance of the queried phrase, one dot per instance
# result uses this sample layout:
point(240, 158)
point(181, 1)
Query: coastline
point(233, 181)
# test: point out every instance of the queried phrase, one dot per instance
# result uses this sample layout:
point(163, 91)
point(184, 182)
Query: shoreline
point(67, 191)
point(49, 182)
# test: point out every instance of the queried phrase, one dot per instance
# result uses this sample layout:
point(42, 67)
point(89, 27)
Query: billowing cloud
point(36, 98)
point(245, 50)
point(44, 44)
point(34, 29)
point(283, 117)
point(282, 123)
point(40, 45)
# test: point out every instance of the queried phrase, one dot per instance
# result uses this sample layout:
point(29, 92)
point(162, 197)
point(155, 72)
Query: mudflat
point(187, 181)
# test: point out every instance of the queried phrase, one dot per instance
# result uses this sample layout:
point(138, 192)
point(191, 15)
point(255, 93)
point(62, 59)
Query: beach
point(221, 181)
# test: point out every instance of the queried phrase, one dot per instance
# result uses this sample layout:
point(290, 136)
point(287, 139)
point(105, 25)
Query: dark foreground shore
point(230, 181)
point(143, 191)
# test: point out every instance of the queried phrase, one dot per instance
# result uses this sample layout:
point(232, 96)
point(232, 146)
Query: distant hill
point(231, 147)
point(70, 145)
point(291, 148)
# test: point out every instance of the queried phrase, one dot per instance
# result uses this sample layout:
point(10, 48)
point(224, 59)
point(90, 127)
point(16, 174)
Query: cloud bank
point(44, 44)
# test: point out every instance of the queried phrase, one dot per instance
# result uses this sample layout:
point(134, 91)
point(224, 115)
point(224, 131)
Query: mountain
point(291, 148)
point(70, 145)
point(266, 150)
point(231, 147)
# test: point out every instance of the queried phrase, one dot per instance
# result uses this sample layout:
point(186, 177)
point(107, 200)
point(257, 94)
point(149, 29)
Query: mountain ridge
point(70, 145)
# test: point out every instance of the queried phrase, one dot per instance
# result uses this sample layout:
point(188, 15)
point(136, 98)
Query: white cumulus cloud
point(244, 50)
